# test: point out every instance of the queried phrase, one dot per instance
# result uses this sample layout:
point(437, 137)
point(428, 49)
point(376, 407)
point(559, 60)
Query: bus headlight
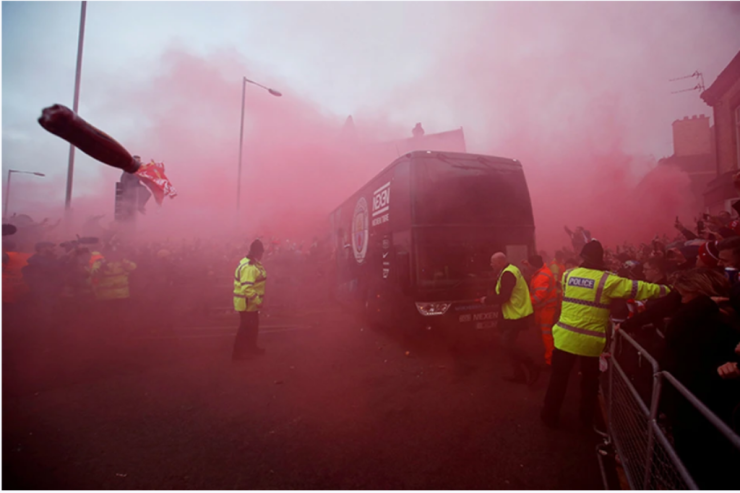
point(431, 309)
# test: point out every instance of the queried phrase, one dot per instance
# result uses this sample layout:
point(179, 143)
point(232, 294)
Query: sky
point(579, 92)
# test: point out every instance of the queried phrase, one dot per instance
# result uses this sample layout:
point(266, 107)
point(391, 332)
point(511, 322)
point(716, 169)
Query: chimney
point(692, 136)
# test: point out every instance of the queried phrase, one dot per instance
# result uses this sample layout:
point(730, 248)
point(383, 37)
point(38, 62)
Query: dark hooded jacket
point(44, 275)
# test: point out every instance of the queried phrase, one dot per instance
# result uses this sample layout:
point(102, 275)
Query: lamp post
point(241, 135)
point(75, 104)
point(7, 188)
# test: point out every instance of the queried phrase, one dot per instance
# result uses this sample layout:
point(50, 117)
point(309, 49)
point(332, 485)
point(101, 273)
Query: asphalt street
point(332, 405)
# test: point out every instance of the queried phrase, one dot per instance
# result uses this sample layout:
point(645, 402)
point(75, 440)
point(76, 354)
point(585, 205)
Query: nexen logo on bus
point(381, 204)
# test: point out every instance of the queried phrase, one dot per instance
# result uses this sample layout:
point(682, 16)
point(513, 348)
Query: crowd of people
point(693, 332)
point(54, 285)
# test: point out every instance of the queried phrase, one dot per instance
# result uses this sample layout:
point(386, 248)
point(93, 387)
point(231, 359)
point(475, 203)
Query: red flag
point(152, 175)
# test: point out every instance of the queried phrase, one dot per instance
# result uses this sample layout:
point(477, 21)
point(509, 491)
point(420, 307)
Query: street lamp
point(7, 188)
point(241, 135)
point(75, 104)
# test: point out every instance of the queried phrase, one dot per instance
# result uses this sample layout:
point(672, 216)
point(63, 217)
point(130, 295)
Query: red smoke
point(577, 92)
point(580, 94)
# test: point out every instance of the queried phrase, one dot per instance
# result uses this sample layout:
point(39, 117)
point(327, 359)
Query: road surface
point(332, 405)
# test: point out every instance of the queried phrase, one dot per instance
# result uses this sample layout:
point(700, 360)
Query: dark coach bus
point(413, 246)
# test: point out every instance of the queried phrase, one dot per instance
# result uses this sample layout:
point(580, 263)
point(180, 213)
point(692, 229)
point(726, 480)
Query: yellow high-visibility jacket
point(249, 286)
point(587, 295)
point(110, 279)
point(557, 270)
point(519, 305)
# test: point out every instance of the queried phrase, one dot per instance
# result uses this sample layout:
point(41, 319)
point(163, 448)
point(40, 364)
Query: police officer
point(580, 332)
point(110, 275)
point(249, 292)
point(516, 315)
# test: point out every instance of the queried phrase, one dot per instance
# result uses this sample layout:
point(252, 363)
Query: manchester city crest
point(360, 237)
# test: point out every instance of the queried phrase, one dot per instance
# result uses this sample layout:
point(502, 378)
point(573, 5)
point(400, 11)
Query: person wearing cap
point(249, 292)
point(580, 333)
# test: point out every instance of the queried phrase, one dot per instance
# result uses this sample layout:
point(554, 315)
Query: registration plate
point(479, 317)
point(485, 325)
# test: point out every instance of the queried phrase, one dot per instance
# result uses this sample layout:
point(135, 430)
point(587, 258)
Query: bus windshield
point(470, 192)
point(448, 258)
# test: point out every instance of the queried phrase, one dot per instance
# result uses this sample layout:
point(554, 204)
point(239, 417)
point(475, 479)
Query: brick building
point(694, 154)
point(724, 98)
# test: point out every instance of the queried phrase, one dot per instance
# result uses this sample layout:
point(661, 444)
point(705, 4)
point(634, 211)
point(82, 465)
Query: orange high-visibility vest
point(14, 287)
point(546, 302)
point(543, 289)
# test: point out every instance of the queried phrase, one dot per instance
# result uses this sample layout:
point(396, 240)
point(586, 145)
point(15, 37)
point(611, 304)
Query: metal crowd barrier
point(634, 430)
